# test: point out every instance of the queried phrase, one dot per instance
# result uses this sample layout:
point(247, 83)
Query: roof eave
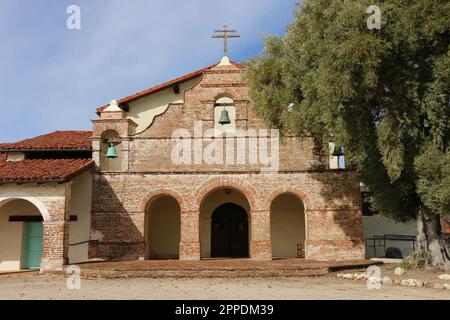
point(51, 180)
point(165, 85)
point(45, 150)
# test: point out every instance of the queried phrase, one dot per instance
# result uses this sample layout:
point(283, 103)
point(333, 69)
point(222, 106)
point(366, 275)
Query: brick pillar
point(190, 235)
point(55, 246)
point(55, 251)
point(125, 153)
point(261, 244)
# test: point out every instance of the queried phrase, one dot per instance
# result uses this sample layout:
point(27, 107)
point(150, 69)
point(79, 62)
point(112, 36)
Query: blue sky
point(53, 78)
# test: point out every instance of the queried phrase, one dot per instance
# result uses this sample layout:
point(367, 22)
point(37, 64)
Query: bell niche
point(110, 151)
point(225, 116)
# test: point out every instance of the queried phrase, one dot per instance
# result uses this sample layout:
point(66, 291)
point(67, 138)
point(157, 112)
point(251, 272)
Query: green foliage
point(417, 259)
point(384, 95)
point(433, 182)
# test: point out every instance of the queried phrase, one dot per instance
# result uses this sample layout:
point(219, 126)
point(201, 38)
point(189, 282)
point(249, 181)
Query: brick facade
point(120, 199)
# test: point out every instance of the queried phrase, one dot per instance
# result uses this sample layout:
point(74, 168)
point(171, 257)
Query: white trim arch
point(6, 197)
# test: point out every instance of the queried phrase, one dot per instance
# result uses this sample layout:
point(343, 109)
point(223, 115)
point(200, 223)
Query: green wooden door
point(33, 245)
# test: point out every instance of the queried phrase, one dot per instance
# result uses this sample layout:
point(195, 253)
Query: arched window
point(110, 139)
point(224, 108)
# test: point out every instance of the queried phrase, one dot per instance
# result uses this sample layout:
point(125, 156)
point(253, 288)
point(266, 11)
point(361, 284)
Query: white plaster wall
point(380, 225)
point(79, 231)
point(333, 160)
point(211, 203)
point(11, 233)
point(287, 226)
point(15, 156)
point(163, 229)
point(144, 110)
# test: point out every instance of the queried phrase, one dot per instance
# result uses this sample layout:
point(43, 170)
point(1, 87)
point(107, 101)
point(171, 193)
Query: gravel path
point(30, 286)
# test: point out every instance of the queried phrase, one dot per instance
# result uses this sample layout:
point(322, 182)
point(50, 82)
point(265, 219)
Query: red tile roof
point(58, 140)
point(42, 170)
point(164, 85)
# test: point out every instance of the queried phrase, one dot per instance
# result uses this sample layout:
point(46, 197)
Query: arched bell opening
point(225, 116)
point(110, 151)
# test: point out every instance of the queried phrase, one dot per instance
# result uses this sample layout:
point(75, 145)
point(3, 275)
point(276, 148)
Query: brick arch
point(299, 194)
point(4, 198)
point(224, 94)
point(150, 197)
point(219, 183)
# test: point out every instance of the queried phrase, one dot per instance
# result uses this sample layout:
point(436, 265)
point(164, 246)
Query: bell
point(112, 152)
point(224, 118)
point(338, 152)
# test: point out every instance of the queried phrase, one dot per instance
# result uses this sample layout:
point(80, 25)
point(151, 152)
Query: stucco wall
point(11, 233)
point(143, 111)
point(79, 231)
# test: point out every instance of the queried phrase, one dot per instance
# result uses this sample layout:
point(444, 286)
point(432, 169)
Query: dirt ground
point(429, 275)
point(31, 286)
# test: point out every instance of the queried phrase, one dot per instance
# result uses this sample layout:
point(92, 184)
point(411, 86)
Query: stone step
point(214, 269)
point(222, 273)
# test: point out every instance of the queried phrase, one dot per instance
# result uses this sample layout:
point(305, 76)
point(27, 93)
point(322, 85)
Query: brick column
point(190, 235)
point(125, 153)
point(261, 244)
point(96, 150)
point(55, 245)
point(55, 248)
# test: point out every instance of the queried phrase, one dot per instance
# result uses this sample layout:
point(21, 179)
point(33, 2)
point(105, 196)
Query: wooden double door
point(229, 232)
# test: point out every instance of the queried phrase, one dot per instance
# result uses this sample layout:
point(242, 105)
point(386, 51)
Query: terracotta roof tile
point(58, 140)
point(164, 85)
point(42, 170)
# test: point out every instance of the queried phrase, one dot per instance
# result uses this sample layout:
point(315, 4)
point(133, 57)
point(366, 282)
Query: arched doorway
point(21, 235)
point(224, 224)
point(287, 227)
point(162, 228)
point(229, 232)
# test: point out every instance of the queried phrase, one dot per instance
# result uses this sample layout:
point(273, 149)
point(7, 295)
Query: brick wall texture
point(331, 197)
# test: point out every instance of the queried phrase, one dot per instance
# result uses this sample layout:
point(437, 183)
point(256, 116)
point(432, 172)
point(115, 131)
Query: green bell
point(224, 118)
point(112, 152)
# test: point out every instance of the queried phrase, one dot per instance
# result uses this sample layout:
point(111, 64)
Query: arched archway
point(229, 232)
point(162, 228)
point(228, 210)
point(287, 226)
point(21, 235)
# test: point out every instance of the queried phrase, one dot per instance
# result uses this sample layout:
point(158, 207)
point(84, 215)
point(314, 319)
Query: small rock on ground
point(444, 277)
point(399, 271)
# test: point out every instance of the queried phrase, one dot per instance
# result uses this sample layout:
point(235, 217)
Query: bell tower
point(111, 138)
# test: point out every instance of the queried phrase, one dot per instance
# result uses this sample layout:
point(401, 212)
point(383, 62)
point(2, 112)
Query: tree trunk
point(430, 239)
